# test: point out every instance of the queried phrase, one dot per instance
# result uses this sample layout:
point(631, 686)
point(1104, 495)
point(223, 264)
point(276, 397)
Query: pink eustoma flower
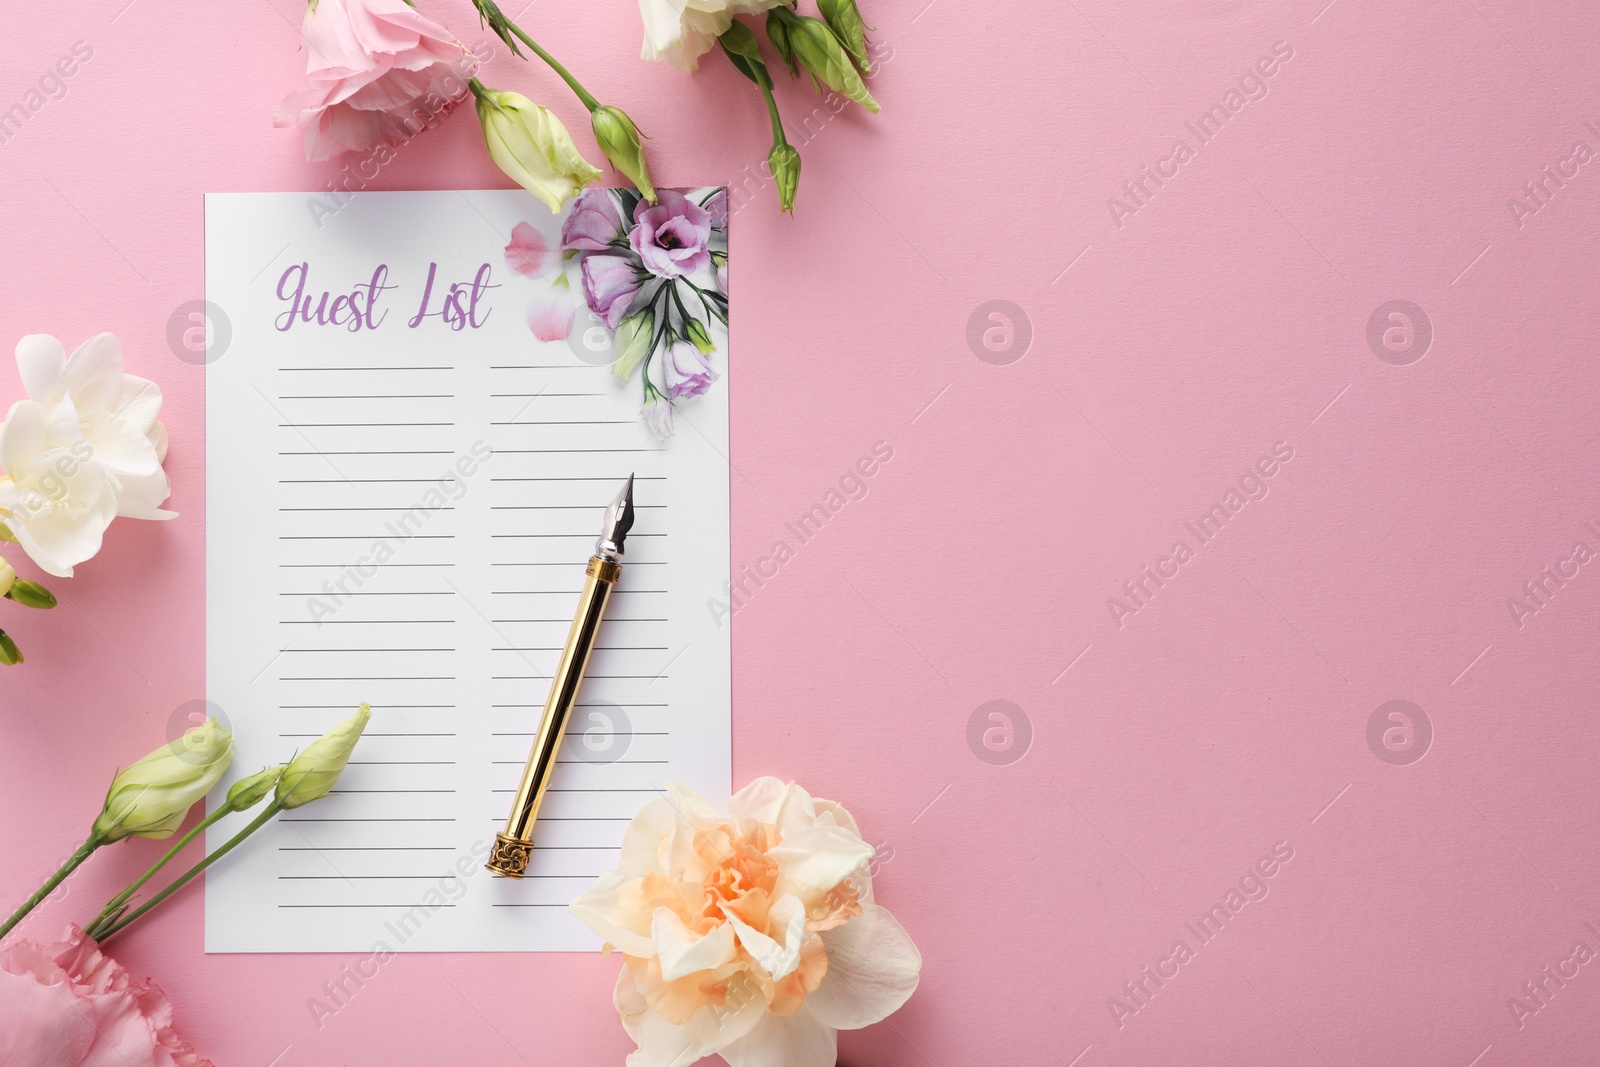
point(594, 223)
point(680, 371)
point(378, 73)
point(68, 1005)
point(673, 237)
point(609, 284)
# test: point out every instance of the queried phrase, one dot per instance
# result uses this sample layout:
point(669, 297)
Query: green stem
point(577, 87)
point(777, 123)
point(84, 850)
point(121, 898)
point(272, 808)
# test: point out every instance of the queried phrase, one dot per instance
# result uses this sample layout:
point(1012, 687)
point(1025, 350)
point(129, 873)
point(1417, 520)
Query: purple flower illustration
point(673, 238)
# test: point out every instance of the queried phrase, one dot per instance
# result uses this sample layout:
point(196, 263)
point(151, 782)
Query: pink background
point(1167, 355)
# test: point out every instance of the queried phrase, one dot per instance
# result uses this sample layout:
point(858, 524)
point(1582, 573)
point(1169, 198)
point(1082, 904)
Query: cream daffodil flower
point(752, 936)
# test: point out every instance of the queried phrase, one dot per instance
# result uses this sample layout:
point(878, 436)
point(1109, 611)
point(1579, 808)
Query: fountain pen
point(514, 846)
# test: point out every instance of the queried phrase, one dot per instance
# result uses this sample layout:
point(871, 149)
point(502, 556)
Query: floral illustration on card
point(638, 286)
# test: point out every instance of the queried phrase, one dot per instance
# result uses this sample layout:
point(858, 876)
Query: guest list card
point(415, 418)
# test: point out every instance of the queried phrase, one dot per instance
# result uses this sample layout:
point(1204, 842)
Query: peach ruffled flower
point(752, 936)
point(68, 1005)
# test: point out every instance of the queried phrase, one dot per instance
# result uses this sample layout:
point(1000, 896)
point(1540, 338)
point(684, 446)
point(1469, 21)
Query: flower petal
point(611, 909)
point(39, 1024)
point(798, 1040)
point(774, 802)
point(873, 968)
point(641, 841)
point(23, 436)
point(93, 376)
point(40, 358)
point(787, 918)
point(528, 251)
point(550, 319)
point(814, 859)
point(682, 951)
point(664, 1044)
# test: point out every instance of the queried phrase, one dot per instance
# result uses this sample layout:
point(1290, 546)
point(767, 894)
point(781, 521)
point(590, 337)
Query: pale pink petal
point(38, 1025)
point(529, 251)
point(551, 319)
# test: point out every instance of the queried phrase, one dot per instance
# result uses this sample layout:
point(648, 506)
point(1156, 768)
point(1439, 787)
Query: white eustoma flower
point(754, 937)
point(681, 31)
point(115, 413)
point(55, 497)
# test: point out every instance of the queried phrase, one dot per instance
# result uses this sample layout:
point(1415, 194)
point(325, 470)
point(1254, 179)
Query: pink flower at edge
point(609, 285)
point(680, 371)
point(593, 224)
point(529, 253)
point(378, 73)
point(673, 237)
point(68, 1004)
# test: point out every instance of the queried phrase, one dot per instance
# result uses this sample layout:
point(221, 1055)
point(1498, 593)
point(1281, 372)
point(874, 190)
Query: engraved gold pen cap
point(514, 846)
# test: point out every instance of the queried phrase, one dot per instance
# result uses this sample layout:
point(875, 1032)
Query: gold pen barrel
point(513, 847)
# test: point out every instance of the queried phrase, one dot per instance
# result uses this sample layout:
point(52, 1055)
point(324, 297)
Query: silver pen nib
point(618, 521)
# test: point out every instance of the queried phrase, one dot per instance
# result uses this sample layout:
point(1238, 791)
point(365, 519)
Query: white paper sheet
point(329, 449)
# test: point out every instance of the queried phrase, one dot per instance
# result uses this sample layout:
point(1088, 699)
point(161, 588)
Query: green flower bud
point(6, 534)
point(778, 33)
point(785, 163)
point(10, 655)
point(311, 775)
point(699, 337)
point(820, 52)
point(844, 18)
point(631, 342)
point(8, 576)
point(739, 44)
point(619, 140)
point(28, 594)
point(246, 793)
point(150, 798)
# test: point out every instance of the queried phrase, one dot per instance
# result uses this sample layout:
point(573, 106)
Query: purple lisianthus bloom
point(594, 223)
point(680, 371)
point(673, 237)
point(610, 282)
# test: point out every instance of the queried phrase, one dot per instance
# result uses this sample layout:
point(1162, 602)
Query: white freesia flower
point(681, 31)
point(754, 937)
point(115, 412)
point(55, 498)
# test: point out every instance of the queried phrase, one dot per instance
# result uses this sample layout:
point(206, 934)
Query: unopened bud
point(246, 793)
point(816, 47)
point(618, 138)
point(28, 594)
point(785, 163)
point(699, 337)
point(844, 18)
